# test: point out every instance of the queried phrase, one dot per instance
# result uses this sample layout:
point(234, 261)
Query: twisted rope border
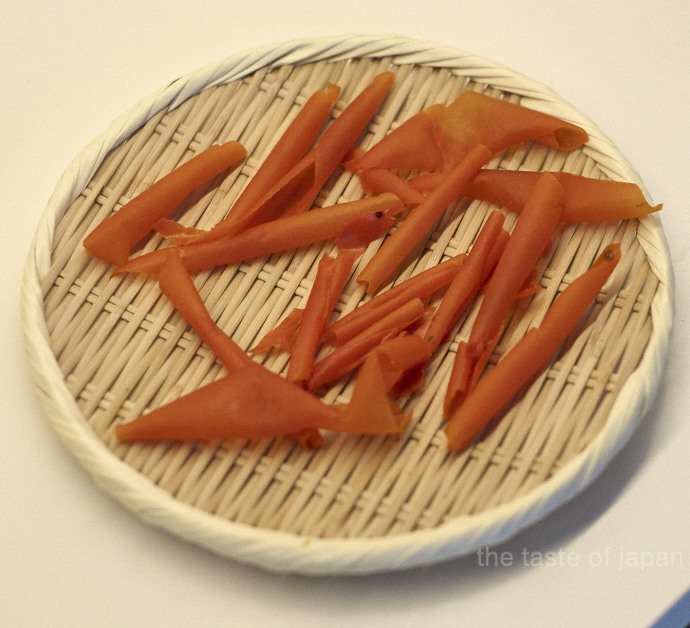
point(293, 553)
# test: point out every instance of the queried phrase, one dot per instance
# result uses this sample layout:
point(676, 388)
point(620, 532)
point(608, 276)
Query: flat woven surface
point(105, 349)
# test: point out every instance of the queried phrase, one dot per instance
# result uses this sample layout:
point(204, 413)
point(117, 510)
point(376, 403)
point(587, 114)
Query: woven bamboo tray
point(104, 349)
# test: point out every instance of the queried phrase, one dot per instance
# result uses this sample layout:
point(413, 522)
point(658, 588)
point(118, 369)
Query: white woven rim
point(281, 551)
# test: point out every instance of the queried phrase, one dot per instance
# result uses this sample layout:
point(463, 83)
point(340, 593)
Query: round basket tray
point(104, 349)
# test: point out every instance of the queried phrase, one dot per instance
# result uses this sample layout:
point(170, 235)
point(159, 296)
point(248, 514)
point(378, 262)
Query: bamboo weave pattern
point(359, 504)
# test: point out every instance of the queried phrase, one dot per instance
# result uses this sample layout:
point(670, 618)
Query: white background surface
point(71, 556)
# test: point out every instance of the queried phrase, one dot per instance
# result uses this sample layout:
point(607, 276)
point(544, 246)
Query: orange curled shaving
point(255, 403)
point(398, 357)
point(468, 280)
point(176, 283)
point(585, 199)
point(420, 286)
point(291, 146)
point(282, 336)
point(114, 237)
point(282, 234)
point(331, 276)
point(370, 404)
point(296, 190)
point(381, 180)
point(420, 220)
point(349, 355)
point(531, 233)
point(530, 355)
point(443, 135)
